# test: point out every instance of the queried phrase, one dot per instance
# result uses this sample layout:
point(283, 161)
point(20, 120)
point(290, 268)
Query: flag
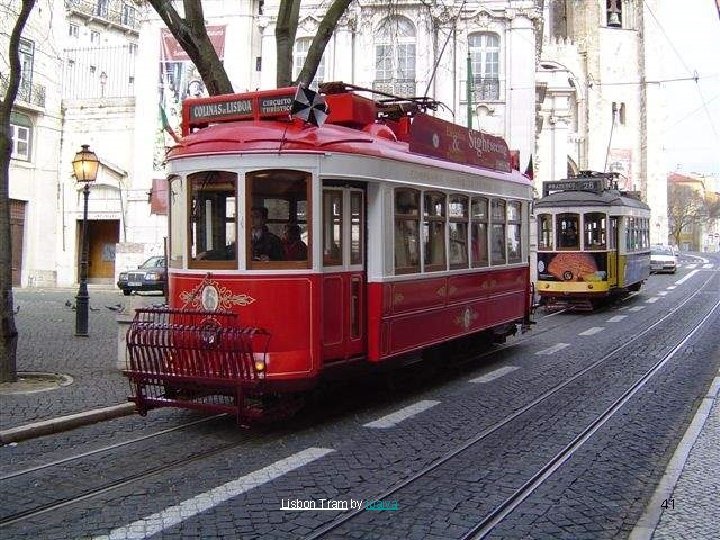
point(529, 172)
point(166, 125)
point(309, 106)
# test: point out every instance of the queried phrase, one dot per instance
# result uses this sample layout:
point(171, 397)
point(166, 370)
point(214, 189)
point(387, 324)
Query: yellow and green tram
point(593, 241)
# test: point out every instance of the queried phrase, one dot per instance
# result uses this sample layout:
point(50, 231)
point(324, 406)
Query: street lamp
point(85, 168)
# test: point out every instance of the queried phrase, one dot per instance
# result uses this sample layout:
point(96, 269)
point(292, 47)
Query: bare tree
point(686, 207)
point(192, 36)
point(8, 330)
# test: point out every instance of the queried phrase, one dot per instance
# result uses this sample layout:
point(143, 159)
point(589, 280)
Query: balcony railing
point(28, 91)
point(396, 87)
point(483, 89)
point(114, 11)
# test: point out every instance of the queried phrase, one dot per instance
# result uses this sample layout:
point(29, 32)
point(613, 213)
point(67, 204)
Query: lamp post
point(85, 167)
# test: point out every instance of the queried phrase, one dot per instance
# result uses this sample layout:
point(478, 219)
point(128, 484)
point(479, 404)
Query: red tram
point(294, 248)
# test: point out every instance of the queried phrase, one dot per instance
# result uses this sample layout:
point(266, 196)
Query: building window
point(74, 30)
point(132, 49)
point(614, 13)
point(94, 37)
point(128, 15)
point(485, 65)
point(302, 46)
point(21, 134)
point(395, 57)
point(101, 8)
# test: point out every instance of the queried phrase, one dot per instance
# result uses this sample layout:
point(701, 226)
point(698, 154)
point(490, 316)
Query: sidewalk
point(47, 343)
point(686, 502)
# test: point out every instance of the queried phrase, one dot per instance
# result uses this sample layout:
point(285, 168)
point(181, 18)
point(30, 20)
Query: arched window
point(302, 46)
point(395, 57)
point(484, 50)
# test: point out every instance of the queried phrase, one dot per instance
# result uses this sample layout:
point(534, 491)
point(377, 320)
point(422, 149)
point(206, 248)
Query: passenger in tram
point(569, 237)
point(295, 249)
point(265, 245)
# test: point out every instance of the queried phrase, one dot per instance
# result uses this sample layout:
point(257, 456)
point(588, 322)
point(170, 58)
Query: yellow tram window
point(594, 237)
point(545, 232)
point(567, 231)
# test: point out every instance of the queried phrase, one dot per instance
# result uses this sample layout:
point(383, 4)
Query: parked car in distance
point(663, 259)
point(150, 276)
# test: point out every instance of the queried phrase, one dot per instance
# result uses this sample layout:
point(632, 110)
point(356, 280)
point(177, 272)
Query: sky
point(691, 29)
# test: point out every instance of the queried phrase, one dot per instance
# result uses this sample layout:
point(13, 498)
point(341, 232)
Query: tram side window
point(434, 230)
point(545, 232)
point(479, 232)
point(595, 230)
point(458, 216)
point(407, 231)
point(278, 216)
point(567, 231)
point(514, 235)
point(356, 227)
point(332, 227)
point(612, 242)
point(212, 223)
point(497, 231)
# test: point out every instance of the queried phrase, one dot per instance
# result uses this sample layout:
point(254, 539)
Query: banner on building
point(179, 79)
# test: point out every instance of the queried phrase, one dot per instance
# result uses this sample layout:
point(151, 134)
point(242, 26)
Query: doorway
point(103, 235)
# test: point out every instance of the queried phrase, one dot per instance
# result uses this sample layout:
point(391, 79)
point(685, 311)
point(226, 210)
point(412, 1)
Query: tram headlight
point(259, 366)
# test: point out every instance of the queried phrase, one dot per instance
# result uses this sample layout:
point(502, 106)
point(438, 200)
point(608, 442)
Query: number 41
point(668, 503)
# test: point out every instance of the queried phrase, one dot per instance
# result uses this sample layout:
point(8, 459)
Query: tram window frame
point(217, 183)
point(434, 227)
point(594, 236)
point(357, 226)
point(565, 233)
point(177, 221)
point(407, 230)
point(479, 241)
point(332, 226)
point(458, 224)
point(612, 234)
point(545, 232)
point(498, 217)
point(288, 203)
point(514, 232)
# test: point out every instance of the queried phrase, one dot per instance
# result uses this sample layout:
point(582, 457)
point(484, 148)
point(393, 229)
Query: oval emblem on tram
point(210, 298)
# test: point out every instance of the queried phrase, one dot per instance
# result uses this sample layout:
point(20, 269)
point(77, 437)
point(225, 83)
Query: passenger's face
point(257, 219)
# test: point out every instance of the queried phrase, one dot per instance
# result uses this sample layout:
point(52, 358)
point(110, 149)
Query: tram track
point(503, 509)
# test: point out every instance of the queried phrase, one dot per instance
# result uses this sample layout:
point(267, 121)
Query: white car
point(663, 259)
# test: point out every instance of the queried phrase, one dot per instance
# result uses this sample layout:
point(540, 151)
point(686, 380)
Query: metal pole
point(469, 87)
point(82, 300)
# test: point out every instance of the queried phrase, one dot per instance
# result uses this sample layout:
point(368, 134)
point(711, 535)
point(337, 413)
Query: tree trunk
point(285, 31)
point(8, 330)
point(192, 36)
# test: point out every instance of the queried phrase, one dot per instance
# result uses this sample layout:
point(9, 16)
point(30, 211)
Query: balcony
point(28, 92)
point(115, 12)
point(396, 87)
point(483, 89)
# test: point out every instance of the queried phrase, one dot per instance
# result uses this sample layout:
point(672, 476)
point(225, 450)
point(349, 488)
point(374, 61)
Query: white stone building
point(600, 105)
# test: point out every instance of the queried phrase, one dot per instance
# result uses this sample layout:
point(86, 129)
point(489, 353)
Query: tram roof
point(573, 198)
point(375, 140)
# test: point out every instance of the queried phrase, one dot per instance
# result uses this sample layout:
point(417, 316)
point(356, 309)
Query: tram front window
point(277, 229)
point(594, 231)
point(213, 233)
point(567, 231)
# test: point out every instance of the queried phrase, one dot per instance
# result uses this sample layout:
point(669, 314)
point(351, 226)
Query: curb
point(64, 423)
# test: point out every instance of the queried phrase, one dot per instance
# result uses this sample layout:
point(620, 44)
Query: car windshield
point(661, 250)
point(153, 262)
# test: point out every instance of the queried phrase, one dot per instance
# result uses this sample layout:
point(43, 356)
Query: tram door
point(344, 278)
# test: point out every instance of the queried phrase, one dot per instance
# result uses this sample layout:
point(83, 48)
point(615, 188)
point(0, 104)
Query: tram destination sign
point(581, 184)
point(230, 107)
